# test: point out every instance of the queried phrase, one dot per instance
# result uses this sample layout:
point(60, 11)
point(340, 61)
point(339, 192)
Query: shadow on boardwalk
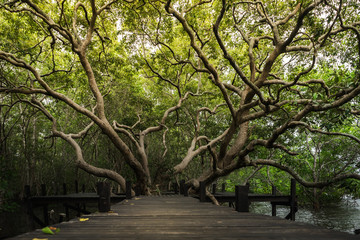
point(177, 217)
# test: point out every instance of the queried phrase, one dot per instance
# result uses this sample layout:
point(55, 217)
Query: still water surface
point(344, 216)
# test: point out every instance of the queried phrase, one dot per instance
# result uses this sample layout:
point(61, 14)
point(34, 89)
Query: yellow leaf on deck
point(40, 239)
point(83, 219)
point(113, 214)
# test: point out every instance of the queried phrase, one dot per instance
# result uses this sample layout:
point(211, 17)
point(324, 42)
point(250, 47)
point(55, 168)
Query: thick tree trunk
point(140, 168)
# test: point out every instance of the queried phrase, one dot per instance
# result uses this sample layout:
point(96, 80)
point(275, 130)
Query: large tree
point(243, 76)
point(279, 66)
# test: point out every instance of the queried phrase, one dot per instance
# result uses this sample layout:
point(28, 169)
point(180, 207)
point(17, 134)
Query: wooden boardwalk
point(177, 217)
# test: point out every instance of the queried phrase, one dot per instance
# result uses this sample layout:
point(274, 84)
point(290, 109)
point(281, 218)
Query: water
point(344, 216)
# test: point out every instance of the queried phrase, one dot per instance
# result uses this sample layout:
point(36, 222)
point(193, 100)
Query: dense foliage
point(154, 91)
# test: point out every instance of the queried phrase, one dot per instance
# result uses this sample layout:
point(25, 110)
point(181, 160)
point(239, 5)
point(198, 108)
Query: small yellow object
point(40, 239)
point(83, 219)
point(113, 214)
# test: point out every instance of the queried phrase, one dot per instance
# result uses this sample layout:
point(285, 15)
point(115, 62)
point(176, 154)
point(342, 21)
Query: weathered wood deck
point(177, 217)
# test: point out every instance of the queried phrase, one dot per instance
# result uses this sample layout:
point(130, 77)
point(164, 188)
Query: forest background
point(157, 91)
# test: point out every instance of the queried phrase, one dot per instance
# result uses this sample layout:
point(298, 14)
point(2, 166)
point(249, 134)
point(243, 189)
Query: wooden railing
point(75, 201)
point(240, 199)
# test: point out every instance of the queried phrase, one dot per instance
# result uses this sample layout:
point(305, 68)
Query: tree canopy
point(200, 88)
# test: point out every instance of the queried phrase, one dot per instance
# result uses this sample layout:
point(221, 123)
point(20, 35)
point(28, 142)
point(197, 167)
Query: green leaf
point(315, 96)
point(47, 230)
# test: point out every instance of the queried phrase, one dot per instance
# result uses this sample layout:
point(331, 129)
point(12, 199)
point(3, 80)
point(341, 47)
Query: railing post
point(83, 191)
point(61, 217)
point(137, 190)
point(128, 190)
point(77, 205)
point(186, 190)
point(103, 190)
point(64, 189)
point(293, 199)
point(43, 190)
point(176, 188)
point(273, 205)
point(27, 191)
point(30, 211)
point(241, 198)
point(182, 183)
point(45, 207)
point(202, 192)
point(223, 187)
point(76, 186)
point(214, 188)
point(67, 213)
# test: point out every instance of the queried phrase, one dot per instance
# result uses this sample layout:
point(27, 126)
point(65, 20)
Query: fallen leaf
point(47, 230)
point(83, 219)
point(55, 229)
point(113, 214)
point(40, 239)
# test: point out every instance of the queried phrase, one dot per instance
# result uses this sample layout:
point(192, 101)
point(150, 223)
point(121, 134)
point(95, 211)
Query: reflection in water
point(344, 216)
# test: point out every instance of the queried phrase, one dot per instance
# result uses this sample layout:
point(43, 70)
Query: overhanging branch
point(301, 180)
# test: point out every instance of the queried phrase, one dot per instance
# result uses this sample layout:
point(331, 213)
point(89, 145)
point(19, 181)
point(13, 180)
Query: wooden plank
point(177, 217)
